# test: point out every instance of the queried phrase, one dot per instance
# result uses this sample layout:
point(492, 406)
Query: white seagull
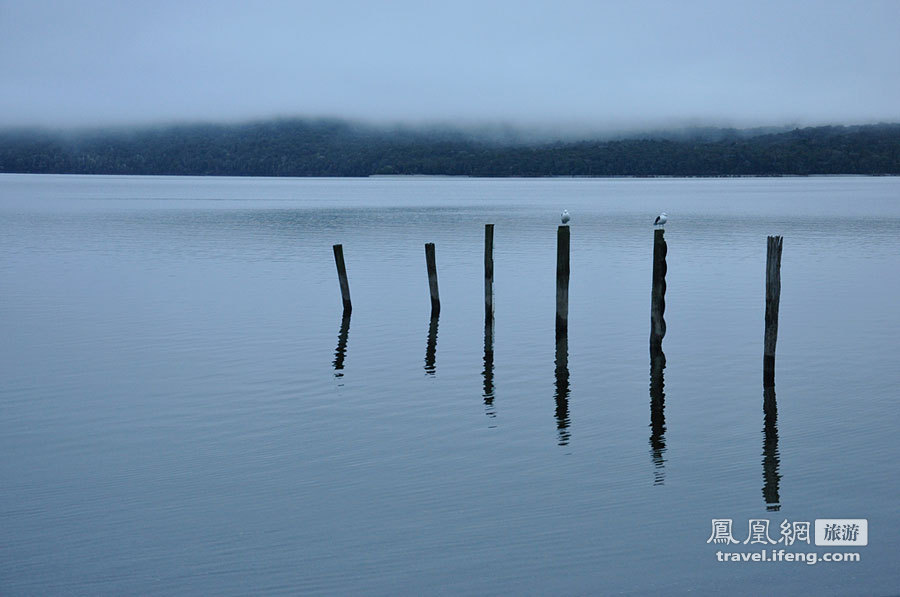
point(565, 216)
point(660, 220)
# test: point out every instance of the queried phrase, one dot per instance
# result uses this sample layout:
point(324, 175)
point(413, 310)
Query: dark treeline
point(336, 148)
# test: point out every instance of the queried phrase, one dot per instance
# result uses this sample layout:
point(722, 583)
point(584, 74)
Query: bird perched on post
point(565, 216)
point(660, 220)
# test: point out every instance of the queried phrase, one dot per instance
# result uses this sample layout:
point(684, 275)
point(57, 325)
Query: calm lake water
point(184, 410)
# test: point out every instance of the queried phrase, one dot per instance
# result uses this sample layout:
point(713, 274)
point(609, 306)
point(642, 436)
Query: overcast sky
point(623, 63)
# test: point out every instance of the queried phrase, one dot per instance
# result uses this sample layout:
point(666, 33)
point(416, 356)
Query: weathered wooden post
point(562, 281)
point(488, 372)
point(658, 293)
point(432, 279)
point(773, 296)
point(488, 271)
point(657, 356)
point(342, 277)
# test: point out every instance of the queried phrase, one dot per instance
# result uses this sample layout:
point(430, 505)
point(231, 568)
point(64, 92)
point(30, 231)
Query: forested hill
point(336, 148)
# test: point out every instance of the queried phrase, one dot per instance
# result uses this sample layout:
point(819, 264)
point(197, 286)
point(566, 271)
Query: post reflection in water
point(771, 458)
point(341, 351)
point(431, 347)
point(488, 371)
point(658, 357)
point(658, 415)
point(562, 387)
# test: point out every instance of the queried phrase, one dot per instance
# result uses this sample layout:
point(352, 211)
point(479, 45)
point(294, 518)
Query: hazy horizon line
point(529, 129)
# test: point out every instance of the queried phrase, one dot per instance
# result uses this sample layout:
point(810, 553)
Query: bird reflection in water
point(341, 351)
point(431, 346)
point(488, 371)
point(771, 458)
point(562, 387)
point(658, 415)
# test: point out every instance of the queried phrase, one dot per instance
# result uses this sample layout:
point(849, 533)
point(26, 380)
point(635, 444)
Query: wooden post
point(488, 372)
point(773, 296)
point(432, 279)
point(562, 335)
point(658, 292)
point(488, 271)
point(562, 281)
point(342, 277)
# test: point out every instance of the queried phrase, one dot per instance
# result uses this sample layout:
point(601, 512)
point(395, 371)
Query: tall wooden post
point(488, 271)
point(432, 279)
point(657, 357)
point(342, 277)
point(658, 293)
point(773, 297)
point(562, 281)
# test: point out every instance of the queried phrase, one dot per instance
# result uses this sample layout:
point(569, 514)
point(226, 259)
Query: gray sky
point(624, 63)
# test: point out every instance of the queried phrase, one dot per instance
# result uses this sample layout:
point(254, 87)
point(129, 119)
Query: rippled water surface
point(183, 408)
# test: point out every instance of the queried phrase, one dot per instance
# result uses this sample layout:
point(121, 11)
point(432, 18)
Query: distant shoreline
point(410, 177)
point(301, 148)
